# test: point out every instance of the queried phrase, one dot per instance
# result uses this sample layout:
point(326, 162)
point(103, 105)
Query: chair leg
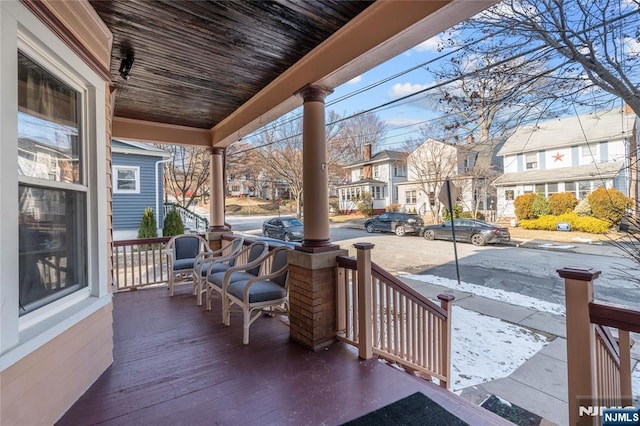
point(197, 280)
point(245, 326)
point(171, 278)
point(226, 314)
point(208, 295)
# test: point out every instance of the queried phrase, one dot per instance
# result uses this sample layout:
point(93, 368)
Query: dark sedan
point(399, 223)
point(283, 228)
point(478, 232)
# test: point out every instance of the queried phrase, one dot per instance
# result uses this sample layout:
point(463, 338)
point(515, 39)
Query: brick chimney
point(367, 151)
point(366, 169)
point(627, 109)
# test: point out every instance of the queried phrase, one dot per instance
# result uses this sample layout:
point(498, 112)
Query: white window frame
point(20, 336)
point(136, 170)
point(592, 152)
point(534, 163)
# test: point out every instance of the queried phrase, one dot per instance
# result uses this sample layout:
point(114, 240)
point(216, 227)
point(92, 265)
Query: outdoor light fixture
point(125, 66)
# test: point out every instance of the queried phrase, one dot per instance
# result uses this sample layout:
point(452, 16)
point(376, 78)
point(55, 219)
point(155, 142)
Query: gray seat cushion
point(217, 277)
point(260, 291)
point(217, 267)
point(180, 264)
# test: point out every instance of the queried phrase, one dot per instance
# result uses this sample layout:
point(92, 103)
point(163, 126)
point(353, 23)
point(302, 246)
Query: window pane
point(48, 125)
point(52, 245)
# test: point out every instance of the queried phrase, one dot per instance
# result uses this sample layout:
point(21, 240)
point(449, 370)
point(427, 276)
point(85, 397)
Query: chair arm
point(168, 253)
point(227, 275)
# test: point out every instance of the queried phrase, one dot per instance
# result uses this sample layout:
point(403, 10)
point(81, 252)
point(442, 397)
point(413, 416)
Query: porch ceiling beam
point(384, 30)
point(147, 131)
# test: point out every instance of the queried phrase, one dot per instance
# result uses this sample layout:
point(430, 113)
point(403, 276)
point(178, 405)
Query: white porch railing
point(381, 315)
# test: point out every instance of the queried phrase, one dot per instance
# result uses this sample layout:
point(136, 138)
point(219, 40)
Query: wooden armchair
point(248, 264)
point(214, 261)
point(258, 293)
point(181, 252)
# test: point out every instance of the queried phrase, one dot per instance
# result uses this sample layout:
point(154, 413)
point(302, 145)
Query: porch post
point(217, 225)
point(365, 326)
point(580, 347)
point(314, 165)
point(312, 266)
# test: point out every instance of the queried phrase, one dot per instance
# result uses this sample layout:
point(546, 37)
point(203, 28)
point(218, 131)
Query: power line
point(409, 97)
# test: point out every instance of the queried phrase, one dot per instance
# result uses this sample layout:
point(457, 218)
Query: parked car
point(478, 232)
point(400, 223)
point(283, 228)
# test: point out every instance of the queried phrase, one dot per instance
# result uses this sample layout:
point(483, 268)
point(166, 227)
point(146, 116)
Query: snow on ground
point(635, 384)
point(484, 348)
point(490, 293)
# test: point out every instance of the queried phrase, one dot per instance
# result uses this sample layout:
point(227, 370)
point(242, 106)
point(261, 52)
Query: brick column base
point(214, 238)
point(312, 297)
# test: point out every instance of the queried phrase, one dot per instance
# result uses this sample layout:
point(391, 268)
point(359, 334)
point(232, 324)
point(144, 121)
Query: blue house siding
point(129, 208)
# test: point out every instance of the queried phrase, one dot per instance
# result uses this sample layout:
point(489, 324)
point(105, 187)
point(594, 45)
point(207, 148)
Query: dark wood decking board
point(176, 364)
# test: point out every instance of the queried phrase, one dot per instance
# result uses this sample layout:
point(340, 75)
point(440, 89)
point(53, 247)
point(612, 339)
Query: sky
point(402, 120)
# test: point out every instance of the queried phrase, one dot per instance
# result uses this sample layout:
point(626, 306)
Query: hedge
point(609, 204)
point(522, 206)
point(591, 225)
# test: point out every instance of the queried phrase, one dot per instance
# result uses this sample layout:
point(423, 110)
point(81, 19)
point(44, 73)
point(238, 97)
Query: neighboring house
point(574, 154)
point(377, 175)
point(429, 166)
point(137, 184)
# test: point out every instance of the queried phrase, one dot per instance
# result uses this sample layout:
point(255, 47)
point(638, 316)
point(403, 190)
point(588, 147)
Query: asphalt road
point(527, 271)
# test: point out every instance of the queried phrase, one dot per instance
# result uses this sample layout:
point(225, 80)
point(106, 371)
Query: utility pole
point(633, 168)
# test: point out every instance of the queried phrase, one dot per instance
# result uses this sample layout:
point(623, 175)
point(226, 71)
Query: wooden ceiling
point(196, 62)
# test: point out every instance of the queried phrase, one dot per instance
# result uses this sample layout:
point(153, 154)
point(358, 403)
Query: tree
point(599, 40)
point(173, 224)
point(187, 176)
point(281, 154)
point(429, 165)
point(485, 93)
point(148, 227)
point(347, 141)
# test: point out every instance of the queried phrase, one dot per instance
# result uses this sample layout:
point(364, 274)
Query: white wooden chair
point(181, 252)
point(256, 294)
point(214, 261)
point(247, 265)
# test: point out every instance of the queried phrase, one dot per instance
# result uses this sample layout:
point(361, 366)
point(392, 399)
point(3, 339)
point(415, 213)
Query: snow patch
point(491, 293)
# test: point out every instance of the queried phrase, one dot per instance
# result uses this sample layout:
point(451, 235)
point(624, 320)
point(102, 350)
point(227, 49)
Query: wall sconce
point(125, 66)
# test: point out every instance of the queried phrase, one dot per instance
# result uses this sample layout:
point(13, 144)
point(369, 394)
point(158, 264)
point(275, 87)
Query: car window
point(383, 216)
point(447, 224)
point(291, 222)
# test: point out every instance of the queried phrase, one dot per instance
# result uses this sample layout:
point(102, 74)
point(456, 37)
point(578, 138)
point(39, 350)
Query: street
point(526, 271)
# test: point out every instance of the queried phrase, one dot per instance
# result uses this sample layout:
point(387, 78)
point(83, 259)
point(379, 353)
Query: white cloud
point(404, 122)
point(355, 80)
point(631, 46)
point(399, 90)
point(441, 41)
point(430, 45)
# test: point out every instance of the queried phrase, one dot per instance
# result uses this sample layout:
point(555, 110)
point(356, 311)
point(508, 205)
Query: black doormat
point(416, 409)
point(511, 412)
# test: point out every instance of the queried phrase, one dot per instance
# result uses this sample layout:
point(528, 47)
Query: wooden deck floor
point(176, 364)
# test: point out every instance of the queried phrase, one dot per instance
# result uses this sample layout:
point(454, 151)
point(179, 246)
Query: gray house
point(137, 184)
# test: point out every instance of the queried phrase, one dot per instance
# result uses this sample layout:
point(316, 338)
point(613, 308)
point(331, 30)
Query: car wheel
point(429, 235)
point(400, 231)
point(287, 237)
point(370, 228)
point(478, 240)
